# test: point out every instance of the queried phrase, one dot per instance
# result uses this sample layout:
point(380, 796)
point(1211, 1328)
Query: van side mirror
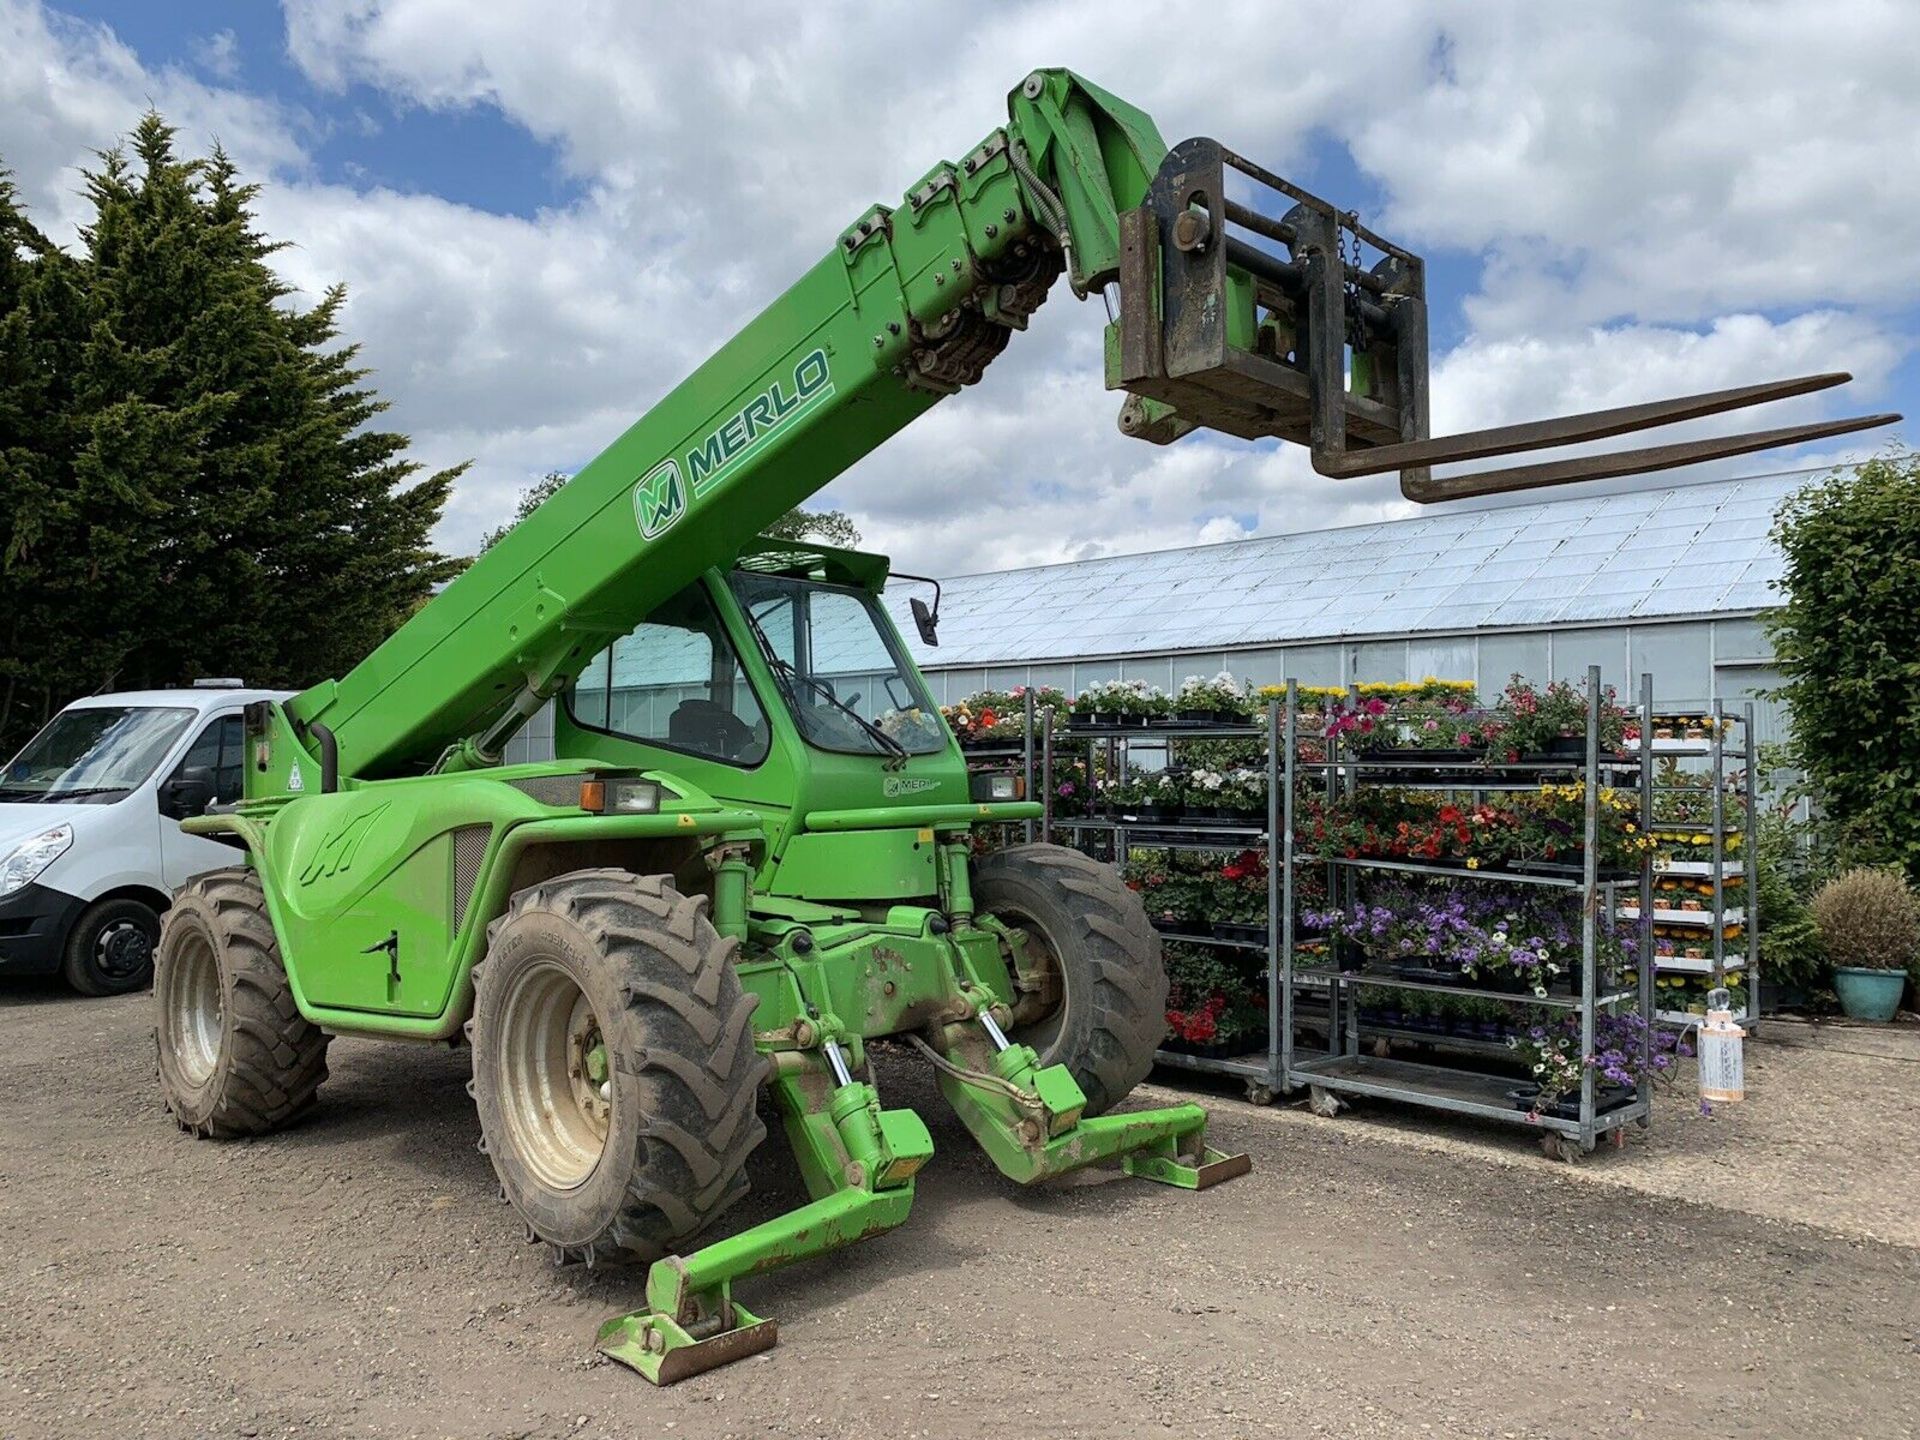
point(188, 793)
point(925, 621)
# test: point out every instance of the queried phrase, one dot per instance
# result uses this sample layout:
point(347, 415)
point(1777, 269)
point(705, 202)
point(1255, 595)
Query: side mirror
point(189, 792)
point(925, 621)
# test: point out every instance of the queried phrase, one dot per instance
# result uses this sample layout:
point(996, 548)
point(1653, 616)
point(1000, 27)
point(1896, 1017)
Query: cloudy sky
point(548, 211)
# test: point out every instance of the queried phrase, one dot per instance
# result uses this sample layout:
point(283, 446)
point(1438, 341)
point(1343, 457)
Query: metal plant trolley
point(1113, 837)
point(1346, 1069)
point(1729, 772)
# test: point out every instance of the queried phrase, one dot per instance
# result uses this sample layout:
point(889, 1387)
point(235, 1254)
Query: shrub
point(1790, 951)
point(1867, 919)
point(1845, 638)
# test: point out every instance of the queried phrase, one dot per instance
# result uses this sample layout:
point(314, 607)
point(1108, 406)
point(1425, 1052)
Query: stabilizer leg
point(1028, 1118)
point(858, 1161)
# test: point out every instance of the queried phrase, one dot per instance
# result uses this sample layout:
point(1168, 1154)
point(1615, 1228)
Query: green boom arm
point(911, 305)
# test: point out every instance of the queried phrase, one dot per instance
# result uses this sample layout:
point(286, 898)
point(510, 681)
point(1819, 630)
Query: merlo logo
point(659, 499)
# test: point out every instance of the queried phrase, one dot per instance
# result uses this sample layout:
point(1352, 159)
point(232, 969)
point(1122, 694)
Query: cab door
point(209, 773)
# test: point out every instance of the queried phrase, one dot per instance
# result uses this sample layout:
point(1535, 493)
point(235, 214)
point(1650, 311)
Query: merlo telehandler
point(753, 858)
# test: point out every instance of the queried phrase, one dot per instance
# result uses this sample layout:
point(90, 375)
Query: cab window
point(675, 681)
point(217, 750)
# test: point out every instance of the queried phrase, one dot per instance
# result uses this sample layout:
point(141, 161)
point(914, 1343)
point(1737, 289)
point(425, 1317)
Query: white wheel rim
point(556, 1087)
point(199, 1010)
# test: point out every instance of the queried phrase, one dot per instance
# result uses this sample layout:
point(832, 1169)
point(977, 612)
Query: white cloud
point(1651, 164)
point(68, 89)
point(219, 54)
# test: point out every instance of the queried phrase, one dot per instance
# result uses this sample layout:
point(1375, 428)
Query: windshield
point(841, 672)
point(94, 753)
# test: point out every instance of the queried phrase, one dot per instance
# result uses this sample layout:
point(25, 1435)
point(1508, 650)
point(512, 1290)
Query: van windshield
point(93, 754)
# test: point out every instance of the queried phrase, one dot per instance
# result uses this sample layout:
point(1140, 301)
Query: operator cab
point(820, 650)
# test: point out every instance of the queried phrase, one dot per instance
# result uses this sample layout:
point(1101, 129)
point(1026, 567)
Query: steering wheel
point(709, 727)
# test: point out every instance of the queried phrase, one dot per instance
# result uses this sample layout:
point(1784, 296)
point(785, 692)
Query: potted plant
point(1869, 926)
point(1205, 793)
point(1151, 798)
point(1553, 721)
point(1244, 793)
point(1221, 700)
point(1110, 703)
point(1625, 1052)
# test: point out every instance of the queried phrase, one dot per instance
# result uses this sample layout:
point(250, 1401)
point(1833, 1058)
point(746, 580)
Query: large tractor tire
point(235, 1056)
point(1086, 928)
point(613, 1065)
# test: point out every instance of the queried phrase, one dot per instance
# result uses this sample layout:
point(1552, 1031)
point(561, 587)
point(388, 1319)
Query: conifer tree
point(201, 488)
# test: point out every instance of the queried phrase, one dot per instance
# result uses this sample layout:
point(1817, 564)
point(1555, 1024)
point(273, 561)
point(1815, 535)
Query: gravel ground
point(356, 1276)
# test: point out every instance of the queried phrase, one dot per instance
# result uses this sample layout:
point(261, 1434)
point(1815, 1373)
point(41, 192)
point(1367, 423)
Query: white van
point(91, 848)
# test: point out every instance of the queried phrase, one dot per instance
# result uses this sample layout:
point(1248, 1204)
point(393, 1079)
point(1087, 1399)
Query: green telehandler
point(754, 857)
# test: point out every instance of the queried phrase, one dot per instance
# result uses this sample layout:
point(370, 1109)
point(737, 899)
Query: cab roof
point(804, 560)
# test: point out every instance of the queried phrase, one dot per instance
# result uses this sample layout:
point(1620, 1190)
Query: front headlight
point(23, 864)
point(620, 797)
point(989, 788)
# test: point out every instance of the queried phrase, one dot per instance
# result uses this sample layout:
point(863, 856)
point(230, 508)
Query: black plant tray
point(1238, 930)
point(1427, 975)
point(1572, 869)
point(1198, 719)
point(1404, 753)
point(1567, 1107)
point(1576, 759)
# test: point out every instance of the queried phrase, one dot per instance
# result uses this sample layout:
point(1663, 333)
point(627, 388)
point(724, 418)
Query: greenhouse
point(1663, 581)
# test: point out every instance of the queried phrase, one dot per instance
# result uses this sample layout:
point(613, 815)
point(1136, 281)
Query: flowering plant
point(1155, 790)
point(1447, 725)
point(1536, 718)
point(1393, 691)
point(1002, 714)
point(1487, 933)
point(1625, 1051)
point(1211, 999)
point(1221, 695)
point(1245, 790)
point(1130, 698)
point(1552, 823)
point(1359, 719)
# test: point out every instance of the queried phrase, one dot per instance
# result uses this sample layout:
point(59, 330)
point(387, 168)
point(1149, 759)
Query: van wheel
point(110, 948)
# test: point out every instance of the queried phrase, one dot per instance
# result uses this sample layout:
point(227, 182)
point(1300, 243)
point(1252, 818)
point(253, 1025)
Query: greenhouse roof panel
point(1682, 551)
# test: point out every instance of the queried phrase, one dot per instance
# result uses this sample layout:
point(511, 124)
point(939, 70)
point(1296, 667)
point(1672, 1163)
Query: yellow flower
point(1473, 862)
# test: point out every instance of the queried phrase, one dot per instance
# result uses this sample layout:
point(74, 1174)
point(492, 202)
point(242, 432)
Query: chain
point(1349, 221)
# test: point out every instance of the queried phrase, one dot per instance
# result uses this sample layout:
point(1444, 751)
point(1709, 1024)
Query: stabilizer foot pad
point(660, 1349)
point(1213, 1167)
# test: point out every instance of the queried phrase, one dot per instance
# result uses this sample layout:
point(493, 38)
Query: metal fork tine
point(1564, 430)
point(1415, 484)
